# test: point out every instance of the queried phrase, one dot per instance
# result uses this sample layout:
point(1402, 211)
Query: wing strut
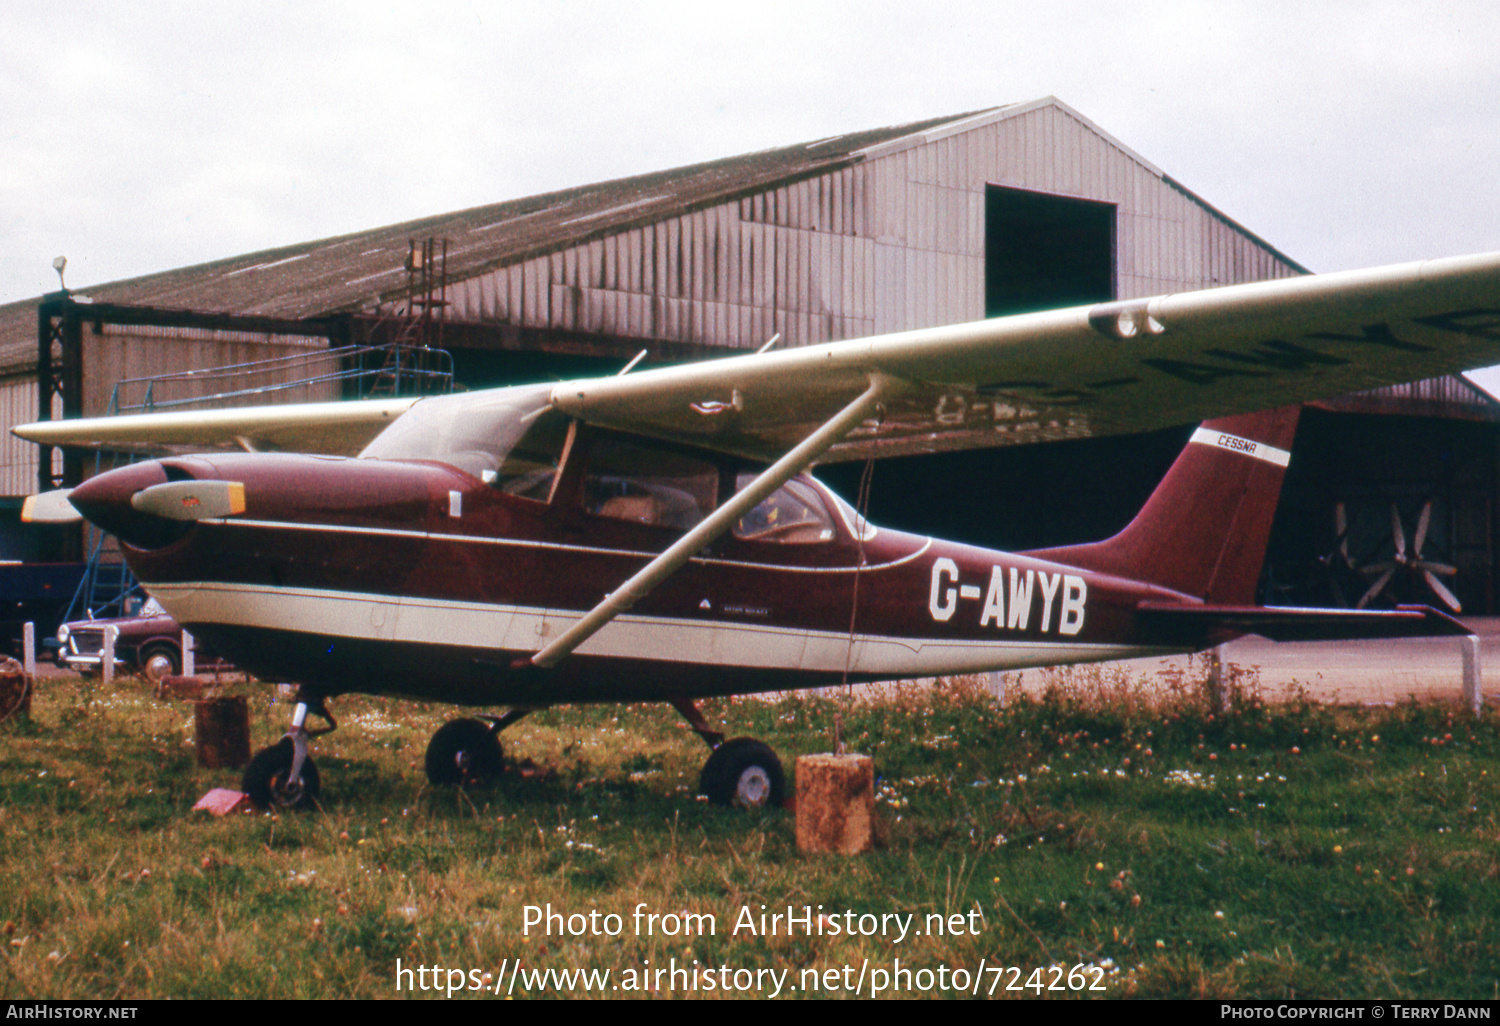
point(712, 526)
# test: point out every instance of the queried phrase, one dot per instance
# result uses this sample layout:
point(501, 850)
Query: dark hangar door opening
point(1042, 251)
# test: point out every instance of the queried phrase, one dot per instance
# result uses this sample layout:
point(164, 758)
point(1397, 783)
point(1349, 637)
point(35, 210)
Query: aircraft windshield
point(858, 525)
point(508, 437)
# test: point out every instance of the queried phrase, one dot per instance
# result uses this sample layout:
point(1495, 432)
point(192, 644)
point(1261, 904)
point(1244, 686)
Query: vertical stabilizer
point(1204, 530)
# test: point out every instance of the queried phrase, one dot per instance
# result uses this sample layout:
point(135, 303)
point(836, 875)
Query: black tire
point(265, 779)
point(159, 661)
point(465, 752)
point(744, 772)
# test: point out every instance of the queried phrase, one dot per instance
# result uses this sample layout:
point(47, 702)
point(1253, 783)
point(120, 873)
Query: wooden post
point(835, 804)
point(1473, 675)
point(189, 656)
point(107, 656)
point(221, 727)
point(15, 689)
point(28, 647)
point(1215, 682)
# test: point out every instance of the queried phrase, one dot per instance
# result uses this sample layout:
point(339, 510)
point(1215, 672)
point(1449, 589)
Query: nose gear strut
point(284, 776)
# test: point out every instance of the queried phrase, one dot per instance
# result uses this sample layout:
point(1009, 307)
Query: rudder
point(1204, 530)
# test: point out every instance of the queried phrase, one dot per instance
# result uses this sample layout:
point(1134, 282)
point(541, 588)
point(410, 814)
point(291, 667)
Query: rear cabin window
point(794, 514)
point(643, 484)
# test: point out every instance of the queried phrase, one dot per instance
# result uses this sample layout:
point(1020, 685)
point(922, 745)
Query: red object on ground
point(221, 801)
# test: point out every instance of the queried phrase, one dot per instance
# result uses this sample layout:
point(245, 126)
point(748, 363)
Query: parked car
point(149, 643)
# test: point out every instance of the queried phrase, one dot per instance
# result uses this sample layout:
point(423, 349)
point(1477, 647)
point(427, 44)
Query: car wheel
point(159, 662)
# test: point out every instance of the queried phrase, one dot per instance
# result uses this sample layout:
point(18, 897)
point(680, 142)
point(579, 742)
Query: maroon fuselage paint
point(315, 525)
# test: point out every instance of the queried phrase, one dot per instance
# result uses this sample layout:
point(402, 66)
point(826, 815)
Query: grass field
point(1089, 842)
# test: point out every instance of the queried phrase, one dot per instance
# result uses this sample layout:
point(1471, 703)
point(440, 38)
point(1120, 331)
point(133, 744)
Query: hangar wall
point(17, 458)
point(116, 353)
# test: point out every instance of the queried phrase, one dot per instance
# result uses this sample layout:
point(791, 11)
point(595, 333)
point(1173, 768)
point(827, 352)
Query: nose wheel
point(284, 775)
point(270, 783)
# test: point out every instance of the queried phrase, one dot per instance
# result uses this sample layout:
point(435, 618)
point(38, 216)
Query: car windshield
point(509, 437)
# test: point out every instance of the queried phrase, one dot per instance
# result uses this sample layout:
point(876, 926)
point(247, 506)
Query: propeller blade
point(1397, 534)
point(1437, 568)
point(1442, 592)
point(1378, 568)
point(50, 508)
point(1341, 524)
point(1422, 522)
point(191, 500)
point(1375, 589)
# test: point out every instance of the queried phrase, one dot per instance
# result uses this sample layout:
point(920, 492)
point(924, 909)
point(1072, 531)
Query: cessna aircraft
point(655, 536)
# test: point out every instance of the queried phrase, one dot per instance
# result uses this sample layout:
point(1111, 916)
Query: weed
point(1074, 819)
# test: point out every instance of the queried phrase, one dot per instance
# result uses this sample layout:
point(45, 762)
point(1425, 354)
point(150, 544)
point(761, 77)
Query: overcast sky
point(145, 136)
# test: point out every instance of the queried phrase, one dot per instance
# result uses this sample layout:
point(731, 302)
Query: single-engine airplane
point(655, 536)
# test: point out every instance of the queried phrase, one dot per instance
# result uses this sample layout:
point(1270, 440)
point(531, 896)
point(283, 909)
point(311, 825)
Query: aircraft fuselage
point(417, 578)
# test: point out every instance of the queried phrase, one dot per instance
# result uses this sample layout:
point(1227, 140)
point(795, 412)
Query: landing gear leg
point(741, 771)
point(284, 775)
point(689, 710)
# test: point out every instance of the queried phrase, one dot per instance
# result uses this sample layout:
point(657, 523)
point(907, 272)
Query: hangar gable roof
point(359, 271)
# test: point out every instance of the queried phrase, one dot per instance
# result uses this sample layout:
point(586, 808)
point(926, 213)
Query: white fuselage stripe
point(1243, 446)
point(410, 620)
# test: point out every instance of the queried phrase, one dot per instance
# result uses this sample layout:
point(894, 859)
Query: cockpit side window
point(643, 483)
point(794, 514)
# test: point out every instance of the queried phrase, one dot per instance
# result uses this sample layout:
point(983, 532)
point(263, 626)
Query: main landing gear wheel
point(744, 772)
point(266, 782)
point(465, 751)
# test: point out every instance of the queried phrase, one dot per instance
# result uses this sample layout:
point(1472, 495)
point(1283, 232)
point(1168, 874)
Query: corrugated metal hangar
point(1015, 208)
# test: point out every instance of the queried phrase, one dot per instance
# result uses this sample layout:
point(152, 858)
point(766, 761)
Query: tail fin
point(1204, 530)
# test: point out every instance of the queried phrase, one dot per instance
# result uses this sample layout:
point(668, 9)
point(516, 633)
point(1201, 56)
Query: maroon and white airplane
point(654, 536)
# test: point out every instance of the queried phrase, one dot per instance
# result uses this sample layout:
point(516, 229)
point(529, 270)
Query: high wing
point(1108, 368)
point(1094, 370)
point(338, 429)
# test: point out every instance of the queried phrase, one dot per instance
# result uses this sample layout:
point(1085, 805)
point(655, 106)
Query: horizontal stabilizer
point(1206, 625)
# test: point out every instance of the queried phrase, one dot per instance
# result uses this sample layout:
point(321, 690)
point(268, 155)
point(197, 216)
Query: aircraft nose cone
point(105, 501)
